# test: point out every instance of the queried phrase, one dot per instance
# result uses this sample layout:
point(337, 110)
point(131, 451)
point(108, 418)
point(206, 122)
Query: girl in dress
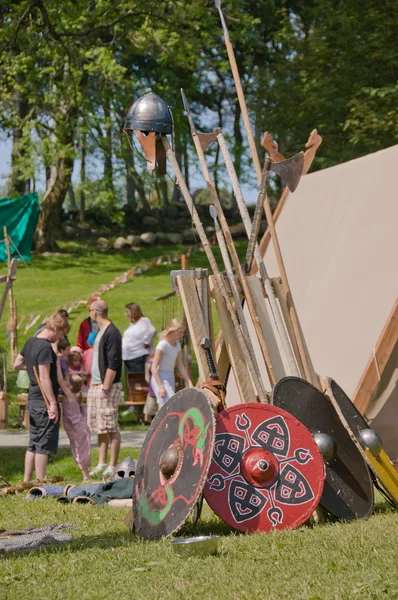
point(167, 356)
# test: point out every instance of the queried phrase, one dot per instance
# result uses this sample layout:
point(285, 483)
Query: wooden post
point(13, 315)
point(377, 362)
point(233, 347)
point(184, 262)
point(196, 324)
point(3, 410)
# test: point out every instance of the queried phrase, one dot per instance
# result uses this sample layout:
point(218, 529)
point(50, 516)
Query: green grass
point(51, 281)
point(334, 561)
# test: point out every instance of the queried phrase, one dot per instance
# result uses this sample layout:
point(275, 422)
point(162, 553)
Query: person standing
point(86, 327)
point(105, 392)
point(39, 359)
point(167, 356)
point(137, 339)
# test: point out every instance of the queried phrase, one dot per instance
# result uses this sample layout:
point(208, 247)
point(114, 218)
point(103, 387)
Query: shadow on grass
point(119, 539)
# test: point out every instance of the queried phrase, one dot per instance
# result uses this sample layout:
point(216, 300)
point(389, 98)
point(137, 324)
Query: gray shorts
point(43, 432)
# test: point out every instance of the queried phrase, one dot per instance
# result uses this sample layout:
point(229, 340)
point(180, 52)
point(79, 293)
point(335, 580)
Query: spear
point(267, 207)
point(252, 366)
point(231, 278)
point(244, 213)
point(229, 241)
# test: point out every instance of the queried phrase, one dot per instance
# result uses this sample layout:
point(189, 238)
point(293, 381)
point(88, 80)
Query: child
point(63, 351)
point(75, 423)
point(88, 359)
point(151, 405)
point(167, 355)
point(75, 359)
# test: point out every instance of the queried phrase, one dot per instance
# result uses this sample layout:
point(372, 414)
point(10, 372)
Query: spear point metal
point(214, 216)
point(223, 23)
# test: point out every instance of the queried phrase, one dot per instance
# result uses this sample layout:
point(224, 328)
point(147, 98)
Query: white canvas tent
point(339, 239)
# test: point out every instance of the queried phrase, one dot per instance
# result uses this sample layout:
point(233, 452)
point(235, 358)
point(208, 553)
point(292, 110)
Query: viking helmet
point(125, 468)
point(149, 113)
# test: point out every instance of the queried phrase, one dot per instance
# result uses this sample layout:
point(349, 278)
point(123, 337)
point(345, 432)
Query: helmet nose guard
point(148, 119)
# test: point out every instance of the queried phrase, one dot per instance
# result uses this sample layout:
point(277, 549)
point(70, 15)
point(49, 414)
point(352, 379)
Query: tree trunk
point(108, 149)
point(238, 147)
point(164, 189)
point(49, 221)
point(17, 183)
point(130, 182)
point(72, 198)
point(83, 179)
point(178, 153)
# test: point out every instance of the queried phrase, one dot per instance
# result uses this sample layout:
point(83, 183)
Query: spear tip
point(213, 212)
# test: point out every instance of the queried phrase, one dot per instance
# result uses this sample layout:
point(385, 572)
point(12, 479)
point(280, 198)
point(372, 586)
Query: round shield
point(267, 472)
point(173, 464)
point(348, 491)
point(366, 440)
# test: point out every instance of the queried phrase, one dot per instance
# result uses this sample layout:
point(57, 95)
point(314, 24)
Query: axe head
point(290, 170)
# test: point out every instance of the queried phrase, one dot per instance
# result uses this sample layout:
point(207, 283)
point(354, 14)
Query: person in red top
point(86, 327)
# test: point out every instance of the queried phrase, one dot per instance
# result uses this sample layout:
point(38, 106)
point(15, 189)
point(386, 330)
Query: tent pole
point(13, 311)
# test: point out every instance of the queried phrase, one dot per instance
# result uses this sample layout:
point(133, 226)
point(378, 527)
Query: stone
point(83, 226)
point(120, 243)
point(210, 230)
point(174, 238)
point(237, 231)
point(190, 236)
point(161, 238)
point(69, 230)
point(148, 238)
point(169, 225)
point(103, 244)
point(182, 223)
point(150, 222)
point(134, 240)
point(172, 211)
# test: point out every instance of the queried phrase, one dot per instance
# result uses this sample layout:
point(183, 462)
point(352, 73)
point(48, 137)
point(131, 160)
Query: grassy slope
point(53, 280)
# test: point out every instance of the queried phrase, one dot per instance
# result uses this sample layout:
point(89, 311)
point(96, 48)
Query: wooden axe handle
point(46, 400)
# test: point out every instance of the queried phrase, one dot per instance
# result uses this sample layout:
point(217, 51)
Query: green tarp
point(19, 215)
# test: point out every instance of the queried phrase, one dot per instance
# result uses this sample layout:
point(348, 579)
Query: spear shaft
point(232, 281)
point(267, 208)
point(244, 213)
point(231, 247)
point(253, 368)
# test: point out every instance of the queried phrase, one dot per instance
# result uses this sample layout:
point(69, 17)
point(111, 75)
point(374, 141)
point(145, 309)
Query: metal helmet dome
point(124, 468)
point(149, 113)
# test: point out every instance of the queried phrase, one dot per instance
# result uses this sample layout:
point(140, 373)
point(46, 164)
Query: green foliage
point(70, 70)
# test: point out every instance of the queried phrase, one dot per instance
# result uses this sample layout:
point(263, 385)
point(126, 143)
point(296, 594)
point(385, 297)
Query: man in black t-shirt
point(43, 414)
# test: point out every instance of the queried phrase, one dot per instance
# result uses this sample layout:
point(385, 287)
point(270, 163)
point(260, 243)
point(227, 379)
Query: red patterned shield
point(267, 472)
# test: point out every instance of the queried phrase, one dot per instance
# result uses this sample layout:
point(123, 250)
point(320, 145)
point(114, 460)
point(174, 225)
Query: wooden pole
point(377, 362)
point(244, 213)
point(267, 208)
point(184, 262)
point(13, 316)
point(252, 366)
